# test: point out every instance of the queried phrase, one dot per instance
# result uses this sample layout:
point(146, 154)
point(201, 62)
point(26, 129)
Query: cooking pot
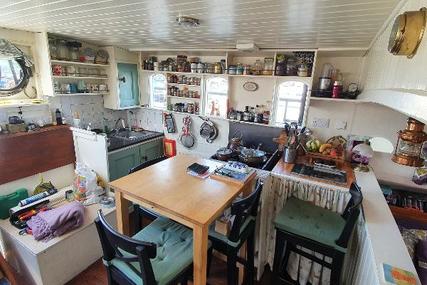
point(252, 156)
point(224, 154)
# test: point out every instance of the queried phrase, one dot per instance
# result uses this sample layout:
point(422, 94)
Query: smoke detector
point(187, 22)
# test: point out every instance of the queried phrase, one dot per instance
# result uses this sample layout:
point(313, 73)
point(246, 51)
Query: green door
point(119, 163)
point(151, 150)
point(128, 85)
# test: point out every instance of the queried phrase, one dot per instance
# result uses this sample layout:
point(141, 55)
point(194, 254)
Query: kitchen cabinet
point(128, 85)
point(120, 161)
point(123, 80)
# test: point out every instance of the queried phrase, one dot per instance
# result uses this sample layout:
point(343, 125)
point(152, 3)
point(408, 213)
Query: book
point(397, 276)
point(198, 170)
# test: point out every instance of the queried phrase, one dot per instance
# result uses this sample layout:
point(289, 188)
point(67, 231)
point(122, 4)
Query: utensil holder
point(289, 155)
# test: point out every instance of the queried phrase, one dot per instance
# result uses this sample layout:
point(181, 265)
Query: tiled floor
point(96, 275)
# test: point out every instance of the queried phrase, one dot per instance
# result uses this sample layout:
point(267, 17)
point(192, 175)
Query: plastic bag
point(84, 181)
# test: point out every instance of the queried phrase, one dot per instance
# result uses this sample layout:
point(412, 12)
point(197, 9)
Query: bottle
point(58, 117)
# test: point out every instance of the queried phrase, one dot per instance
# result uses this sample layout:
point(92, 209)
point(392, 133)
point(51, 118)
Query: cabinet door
point(151, 150)
point(128, 85)
point(120, 162)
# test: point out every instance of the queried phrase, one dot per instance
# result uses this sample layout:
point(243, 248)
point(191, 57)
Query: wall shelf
point(81, 94)
point(185, 98)
point(355, 101)
point(182, 84)
point(80, 77)
point(54, 61)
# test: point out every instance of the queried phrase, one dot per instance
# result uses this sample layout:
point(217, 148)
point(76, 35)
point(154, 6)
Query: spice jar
point(63, 50)
point(337, 89)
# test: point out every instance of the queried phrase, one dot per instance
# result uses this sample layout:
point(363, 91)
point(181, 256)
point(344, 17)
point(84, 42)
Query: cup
point(57, 70)
point(71, 70)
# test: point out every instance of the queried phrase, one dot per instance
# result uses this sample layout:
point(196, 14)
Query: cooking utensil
point(208, 130)
point(224, 154)
point(252, 156)
point(186, 138)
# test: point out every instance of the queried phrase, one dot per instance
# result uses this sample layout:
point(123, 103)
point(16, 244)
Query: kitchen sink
point(123, 138)
point(131, 135)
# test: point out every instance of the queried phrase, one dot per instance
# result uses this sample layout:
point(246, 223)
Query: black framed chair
point(160, 254)
point(243, 230)
point(141, 212)
point(302, 224)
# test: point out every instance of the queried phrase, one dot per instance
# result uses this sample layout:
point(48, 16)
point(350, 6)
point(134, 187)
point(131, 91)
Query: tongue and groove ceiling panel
point(150, 24)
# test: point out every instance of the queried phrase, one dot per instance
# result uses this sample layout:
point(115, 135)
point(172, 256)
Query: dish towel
point(53, 223)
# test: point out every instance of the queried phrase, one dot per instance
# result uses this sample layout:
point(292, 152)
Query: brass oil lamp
point(409, 143)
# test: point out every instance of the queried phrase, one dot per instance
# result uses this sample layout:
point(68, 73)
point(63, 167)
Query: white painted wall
point(365, 119)
point(384, 71)
point(60, 178)
point(152, 119)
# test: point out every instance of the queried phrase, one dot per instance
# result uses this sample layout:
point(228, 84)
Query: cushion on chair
point(219, 236)
point(174, 251)
point(310, 221)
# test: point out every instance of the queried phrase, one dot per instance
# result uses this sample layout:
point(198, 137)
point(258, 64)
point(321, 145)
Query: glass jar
point(258, 67)
point(239, 69)
point(268, 66)
point(53, 49)
point(74, 54)
point(63, 53)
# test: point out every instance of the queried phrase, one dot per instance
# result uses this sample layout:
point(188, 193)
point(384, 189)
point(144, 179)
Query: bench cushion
point(174, 251)
point(310, 221)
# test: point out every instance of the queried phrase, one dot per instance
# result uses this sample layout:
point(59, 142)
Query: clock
point(407, 33)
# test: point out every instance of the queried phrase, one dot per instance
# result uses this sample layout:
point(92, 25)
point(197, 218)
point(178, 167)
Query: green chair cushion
point(310, 221)
point(174, 251)
point(224, 238)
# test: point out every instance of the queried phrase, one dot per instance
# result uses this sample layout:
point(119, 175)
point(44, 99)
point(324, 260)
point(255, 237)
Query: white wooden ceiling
point(150, 24)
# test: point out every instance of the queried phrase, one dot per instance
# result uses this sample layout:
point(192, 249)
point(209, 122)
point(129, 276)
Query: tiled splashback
point(90, 108)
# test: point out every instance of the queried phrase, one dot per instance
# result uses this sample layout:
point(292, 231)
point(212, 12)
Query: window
point(216, 97)
point(13, 78)
point(290, 102)
point(158, 91)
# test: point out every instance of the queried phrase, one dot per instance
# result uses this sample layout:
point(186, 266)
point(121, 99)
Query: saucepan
point(252, 156)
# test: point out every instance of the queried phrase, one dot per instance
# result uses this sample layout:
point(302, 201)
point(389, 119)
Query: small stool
point(303, 224)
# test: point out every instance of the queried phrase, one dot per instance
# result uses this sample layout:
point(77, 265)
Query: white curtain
point(275, 192)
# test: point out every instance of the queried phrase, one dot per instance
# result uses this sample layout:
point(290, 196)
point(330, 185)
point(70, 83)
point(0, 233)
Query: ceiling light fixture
point(187, 22)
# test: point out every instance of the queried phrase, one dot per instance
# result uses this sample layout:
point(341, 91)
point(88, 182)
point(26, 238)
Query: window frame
point(303, 108)
point(23, 83)
point(151, 89)
point(205, 96)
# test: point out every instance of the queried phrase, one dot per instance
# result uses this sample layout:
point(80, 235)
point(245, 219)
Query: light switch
point(320, 123)
point(341, 125)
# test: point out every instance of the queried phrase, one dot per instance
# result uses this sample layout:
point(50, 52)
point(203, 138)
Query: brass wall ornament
point(407, 32)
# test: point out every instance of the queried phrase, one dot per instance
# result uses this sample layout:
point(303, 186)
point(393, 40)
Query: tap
point(122, 121)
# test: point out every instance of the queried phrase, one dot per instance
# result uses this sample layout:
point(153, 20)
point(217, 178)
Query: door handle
point(122, 79)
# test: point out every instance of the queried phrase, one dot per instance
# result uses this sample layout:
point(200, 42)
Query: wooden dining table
point(167, 189)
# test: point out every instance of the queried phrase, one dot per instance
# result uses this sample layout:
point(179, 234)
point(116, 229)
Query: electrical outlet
point(341, 125)
point(320, 123)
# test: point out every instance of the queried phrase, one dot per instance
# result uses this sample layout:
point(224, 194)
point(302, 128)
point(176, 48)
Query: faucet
point(122, 121)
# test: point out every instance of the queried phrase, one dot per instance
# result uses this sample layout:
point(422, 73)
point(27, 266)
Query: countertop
point(117, 143)
point(41, 130)
point(285, 170)
point(381, 228)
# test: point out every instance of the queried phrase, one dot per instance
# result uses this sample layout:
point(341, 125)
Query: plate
point(250, 86)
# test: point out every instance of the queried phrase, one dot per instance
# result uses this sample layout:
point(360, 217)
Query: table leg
point(200, 253)
point(122, 213)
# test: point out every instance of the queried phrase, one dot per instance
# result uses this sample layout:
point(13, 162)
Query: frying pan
point(208, 130)
point(186, 138)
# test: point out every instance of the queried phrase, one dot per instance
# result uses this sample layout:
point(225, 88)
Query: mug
point(71, 70)
point(57, 70)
